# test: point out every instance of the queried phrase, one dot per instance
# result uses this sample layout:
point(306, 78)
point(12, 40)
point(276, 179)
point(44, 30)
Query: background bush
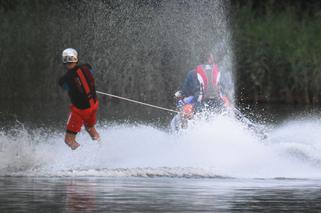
point(278, 52)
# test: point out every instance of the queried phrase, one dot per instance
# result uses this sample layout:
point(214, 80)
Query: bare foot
point(73, 145)
point(93, 133)
point(70, 140)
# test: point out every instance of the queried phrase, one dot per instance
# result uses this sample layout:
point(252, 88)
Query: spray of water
point(177, 34)
point(221, 147)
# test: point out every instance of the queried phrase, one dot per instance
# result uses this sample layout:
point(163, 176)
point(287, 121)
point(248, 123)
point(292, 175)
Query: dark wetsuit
point(71, 82)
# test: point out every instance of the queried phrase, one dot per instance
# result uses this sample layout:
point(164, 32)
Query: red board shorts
point(79, 117)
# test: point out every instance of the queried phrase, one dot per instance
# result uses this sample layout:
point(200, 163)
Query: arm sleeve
point(186, 85)
point(196, 87)
point(222, 86)
point(63, 83)
point(90, 68)
point(190, 85)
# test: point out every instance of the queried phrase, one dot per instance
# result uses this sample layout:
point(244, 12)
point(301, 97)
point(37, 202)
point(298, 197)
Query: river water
point(90, 194)
point(216, 165)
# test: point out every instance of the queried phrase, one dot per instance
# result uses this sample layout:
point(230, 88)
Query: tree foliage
point(278, 54)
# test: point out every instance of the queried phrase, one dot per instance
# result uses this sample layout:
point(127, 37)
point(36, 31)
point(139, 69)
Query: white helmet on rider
point(69, 55)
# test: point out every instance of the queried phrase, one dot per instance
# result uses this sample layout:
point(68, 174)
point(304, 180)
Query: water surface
point(89, 194)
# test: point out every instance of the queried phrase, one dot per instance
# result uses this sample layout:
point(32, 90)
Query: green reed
point(278, 56)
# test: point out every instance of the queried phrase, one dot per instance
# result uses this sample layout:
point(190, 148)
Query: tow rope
point(137, 102)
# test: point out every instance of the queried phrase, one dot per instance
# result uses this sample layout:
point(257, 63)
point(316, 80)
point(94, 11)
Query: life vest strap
point(209, 81)
point(86, 87)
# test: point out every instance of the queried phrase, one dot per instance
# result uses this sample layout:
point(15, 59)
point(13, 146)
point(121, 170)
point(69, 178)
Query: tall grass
point(278, 56)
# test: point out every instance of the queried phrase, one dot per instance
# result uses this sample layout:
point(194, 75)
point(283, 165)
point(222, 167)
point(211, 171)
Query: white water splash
point(220, 147)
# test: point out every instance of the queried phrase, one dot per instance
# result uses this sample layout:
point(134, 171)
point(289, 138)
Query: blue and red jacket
point(204, 83)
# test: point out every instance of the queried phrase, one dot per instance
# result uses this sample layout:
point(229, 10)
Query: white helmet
point(69, 55)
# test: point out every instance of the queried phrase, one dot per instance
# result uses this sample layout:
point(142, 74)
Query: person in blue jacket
point(204, 84)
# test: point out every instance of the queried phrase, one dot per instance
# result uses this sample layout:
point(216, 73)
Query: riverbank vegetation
point(278, 52)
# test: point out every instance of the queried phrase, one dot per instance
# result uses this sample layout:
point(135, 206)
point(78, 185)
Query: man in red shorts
point(80, 84)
